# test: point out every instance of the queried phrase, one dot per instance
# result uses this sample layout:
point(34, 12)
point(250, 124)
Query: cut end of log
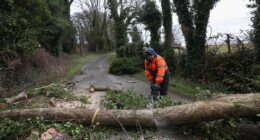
point(3, 106)
point(52, 102)
point(91, 89)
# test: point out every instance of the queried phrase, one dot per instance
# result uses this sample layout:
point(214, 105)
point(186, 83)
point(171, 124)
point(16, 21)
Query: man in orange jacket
point(157, 72)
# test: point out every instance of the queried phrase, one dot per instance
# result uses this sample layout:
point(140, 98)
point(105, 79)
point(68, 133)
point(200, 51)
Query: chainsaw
point(155, 90)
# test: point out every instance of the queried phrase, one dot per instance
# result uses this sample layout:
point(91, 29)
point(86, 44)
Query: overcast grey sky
point(229, 16)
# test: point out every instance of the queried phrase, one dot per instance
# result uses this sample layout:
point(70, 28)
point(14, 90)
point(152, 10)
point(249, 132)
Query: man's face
point(150, 57)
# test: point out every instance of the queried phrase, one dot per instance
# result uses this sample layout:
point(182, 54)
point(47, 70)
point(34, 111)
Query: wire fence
point(229, 43)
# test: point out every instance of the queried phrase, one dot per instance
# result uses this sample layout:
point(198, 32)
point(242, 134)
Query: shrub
point(223, 129)
point(126, 65)
point(236, 71)
point(131, 100)
point(125, 100)
point(130, 50)
point(241, 84)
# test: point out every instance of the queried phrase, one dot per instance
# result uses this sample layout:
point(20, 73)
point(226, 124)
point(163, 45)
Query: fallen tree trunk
point(93, 88)
point(20, 96)
point(232, 105)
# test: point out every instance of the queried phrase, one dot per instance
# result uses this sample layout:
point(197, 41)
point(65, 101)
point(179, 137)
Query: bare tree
point(95, 25)
point(123, 13)
point(80, 31)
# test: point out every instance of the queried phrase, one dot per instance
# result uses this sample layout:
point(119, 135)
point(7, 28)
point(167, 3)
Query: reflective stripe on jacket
point(157, 67)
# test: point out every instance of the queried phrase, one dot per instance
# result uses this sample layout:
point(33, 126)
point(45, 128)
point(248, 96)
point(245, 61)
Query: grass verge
point(76, 63)
point(186, 88)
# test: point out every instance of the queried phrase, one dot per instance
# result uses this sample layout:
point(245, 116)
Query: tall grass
point(42, 68)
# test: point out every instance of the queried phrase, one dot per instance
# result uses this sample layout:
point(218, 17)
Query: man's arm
point(161, 69)
point(148, 72)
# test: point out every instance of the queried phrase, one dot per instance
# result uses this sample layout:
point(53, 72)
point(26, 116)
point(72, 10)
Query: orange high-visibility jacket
point(157, 67)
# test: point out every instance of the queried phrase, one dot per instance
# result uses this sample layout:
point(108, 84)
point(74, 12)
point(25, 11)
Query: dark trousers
point(164, 85)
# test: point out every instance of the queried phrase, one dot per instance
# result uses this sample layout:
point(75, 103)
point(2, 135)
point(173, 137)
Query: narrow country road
point(96, 72)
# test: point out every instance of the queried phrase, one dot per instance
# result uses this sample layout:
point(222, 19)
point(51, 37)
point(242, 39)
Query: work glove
point(155, 87)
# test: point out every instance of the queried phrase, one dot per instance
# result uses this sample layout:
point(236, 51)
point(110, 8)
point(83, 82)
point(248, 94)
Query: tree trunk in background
point(231, 105)
point(155, 36)
point(197, 55)
point(193, 17)
point(68, 34)
point(81, 40)
point(168, 35)
point(202, 10)
point(185, 19)
point(67, 4)
point(187, 26)
point(256, 32)
point(167, 23)
point(228, 43)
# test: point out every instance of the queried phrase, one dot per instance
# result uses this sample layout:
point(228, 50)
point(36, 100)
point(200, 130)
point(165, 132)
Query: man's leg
point(164, 84)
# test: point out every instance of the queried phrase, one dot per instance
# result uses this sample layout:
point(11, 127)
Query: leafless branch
point(120, 125)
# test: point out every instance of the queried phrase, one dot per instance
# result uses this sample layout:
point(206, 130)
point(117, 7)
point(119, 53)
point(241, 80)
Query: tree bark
point(20, 96)
point(81, 39)
point(167, 23)
point(185, 18)
point(256, 30)
point(232, 105)
point(193, 17)
point(93, 88)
